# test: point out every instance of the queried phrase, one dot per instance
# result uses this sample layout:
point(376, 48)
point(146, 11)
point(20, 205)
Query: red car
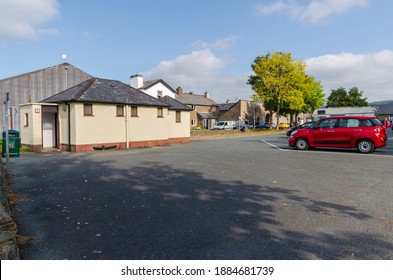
point(365, 133)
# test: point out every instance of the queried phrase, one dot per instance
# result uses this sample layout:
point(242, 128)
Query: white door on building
point(48, 130)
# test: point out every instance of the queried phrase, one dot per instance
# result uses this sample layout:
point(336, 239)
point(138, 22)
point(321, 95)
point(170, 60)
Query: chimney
point(206, 94)
point(179, 91)
point(136, 81)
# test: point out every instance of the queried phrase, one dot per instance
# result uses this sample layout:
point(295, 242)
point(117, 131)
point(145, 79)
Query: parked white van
point(225, 125)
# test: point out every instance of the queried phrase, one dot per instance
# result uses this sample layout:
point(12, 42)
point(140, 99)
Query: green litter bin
point(13, 144)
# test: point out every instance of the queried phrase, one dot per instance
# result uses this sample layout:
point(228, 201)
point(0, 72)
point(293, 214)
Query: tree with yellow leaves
point(282, 84)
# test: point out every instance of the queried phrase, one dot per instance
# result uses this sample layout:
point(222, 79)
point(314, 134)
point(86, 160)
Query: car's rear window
point(370, 122)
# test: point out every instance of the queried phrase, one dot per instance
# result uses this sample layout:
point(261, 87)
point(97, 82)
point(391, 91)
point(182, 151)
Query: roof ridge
point(86, 85)
point(44, 69)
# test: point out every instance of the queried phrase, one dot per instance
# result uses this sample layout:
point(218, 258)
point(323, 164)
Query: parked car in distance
point(263, 125)
point(365, 133)
point(242, 124)
point(227, 125)
point(283, 126)
point(260, 125)
point(305, 125)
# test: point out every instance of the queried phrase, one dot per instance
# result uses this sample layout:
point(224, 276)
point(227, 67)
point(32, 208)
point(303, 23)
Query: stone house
point(204, 112)
point(100, 113)
point(242, 110)
point(253, 111)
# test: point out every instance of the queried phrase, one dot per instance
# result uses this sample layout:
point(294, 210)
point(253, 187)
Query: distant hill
point(383, 102)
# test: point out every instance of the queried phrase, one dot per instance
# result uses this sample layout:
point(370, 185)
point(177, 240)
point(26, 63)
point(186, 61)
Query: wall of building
point(178, 132)
point(31, 131)
point(147, 126)
point(246, 110)
point(104, 128)
point(63, 125)
point(38, 85)
point(232, 114)
point(202, 109)
point(152, 91)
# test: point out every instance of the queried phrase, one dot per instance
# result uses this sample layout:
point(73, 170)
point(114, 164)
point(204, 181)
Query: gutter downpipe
point(69, 127)
point(126, 120)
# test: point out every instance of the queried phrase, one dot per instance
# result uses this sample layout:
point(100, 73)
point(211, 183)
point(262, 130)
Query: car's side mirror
point(318, 127)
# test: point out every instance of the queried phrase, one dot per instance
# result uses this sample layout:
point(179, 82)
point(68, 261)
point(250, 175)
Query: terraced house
point(204, 112)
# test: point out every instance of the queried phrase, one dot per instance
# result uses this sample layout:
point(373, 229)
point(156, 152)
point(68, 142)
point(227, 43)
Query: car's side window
point(366, 123)
point(328, 123)
point(344, 123)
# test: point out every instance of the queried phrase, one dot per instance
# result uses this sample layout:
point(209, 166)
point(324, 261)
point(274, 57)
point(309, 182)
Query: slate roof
point(175, 105)
point(383, 102)
point(52, 70)
point(207, 115)
point(195, 99)
point(226, 106)
point(385, 109)
point(96, 90)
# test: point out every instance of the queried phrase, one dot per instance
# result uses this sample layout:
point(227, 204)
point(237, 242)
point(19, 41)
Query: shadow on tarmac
point(82, 209)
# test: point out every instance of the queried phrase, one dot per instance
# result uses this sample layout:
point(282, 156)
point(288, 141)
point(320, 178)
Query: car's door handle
point(330, 131)
point(358, 130)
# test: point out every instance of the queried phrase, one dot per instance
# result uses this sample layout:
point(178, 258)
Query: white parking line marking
point(274, 146)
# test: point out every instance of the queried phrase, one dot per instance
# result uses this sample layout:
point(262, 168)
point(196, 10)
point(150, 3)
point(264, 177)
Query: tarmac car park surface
point(234, 198)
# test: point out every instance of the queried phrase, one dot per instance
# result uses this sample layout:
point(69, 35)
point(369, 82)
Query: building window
point(119, 111)
point(26, 120)
point(178, 116)
point(88, 109)
point(193, 122)
point(159, 94)
point(160, 113)
point(134, 111)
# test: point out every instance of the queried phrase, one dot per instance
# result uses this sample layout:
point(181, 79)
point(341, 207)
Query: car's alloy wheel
point(301, 144)
point(365, 146)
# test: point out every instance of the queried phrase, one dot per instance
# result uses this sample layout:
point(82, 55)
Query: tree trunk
point(278, 110)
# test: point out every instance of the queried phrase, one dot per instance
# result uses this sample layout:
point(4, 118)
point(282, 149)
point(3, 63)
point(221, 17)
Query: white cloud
point(313, 12)
point(201, 71)
point(22, 19)
point(371, 73)
point(220, 44)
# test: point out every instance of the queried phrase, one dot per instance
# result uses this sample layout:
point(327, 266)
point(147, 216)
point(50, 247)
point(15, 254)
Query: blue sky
point(205, 45)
